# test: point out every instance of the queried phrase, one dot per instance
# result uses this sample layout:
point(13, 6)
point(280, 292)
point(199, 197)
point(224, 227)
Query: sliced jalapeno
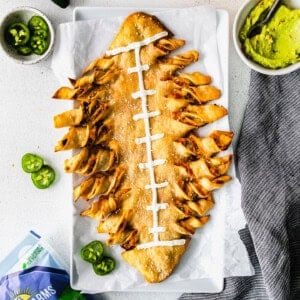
point(33, 37)
point(31, 163)
point(38, 45)
point(68, 293)
point(24, 50)
point(44, 177)
point(37, 23)
point(43, 34)
point(92, 252)
point(105, 266)
point(17, 34)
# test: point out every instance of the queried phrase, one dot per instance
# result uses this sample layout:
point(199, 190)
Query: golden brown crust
point(108, 126)
point(137, 27)
point(157, 263)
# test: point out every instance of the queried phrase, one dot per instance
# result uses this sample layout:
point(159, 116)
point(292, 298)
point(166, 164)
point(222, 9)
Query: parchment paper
point(215, 250)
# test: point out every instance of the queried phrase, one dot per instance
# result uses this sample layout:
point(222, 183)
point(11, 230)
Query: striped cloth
point(268, 157)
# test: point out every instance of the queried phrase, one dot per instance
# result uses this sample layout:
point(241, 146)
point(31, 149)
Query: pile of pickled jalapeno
point(93, 253)
point(29, 38)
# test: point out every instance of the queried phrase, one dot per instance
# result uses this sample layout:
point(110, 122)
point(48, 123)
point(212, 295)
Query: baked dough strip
point(145, 115)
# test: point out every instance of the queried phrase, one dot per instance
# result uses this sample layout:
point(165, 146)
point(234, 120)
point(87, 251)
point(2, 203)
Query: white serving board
point(203, 285)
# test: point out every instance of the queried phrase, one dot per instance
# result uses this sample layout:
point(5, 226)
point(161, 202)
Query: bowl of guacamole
point(276, 49)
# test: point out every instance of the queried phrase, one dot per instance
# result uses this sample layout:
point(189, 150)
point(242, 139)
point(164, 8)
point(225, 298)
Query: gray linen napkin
point(268, 159)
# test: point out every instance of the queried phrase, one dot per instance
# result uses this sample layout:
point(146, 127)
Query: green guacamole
point(278, 44)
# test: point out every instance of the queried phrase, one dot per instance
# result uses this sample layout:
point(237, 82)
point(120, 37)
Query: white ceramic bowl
point(237, 24)
point(23, 14)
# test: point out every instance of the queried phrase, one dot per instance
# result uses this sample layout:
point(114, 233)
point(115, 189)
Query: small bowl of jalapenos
point(26, 35)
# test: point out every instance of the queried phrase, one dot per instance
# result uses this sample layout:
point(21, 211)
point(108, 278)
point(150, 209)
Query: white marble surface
point(26, 100)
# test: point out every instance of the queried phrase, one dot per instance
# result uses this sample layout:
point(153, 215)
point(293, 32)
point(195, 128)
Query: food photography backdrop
point(27, 126)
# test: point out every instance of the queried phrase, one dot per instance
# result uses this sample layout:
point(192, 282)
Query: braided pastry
point(149, 178)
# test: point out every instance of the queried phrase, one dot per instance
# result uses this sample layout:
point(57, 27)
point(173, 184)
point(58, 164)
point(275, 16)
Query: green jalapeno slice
point(92, 252)
point(37, 23)
point(38, 45)
point(105, 266)
point(31, 163)
point(24, 50)
point(43, 34)
point(68, 293)
point(17, 34)
point(44, 177)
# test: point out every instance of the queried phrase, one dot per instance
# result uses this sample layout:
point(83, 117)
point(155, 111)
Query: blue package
point(32, 271)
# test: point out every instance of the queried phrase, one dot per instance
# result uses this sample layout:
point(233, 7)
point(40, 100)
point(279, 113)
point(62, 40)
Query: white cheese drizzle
point(142, 94)
point(156, 185)
point(149, 138)
point(137, 45)
point(154, 163)
point(172, 243)
point(145, 115)
point(158, 207)
point(140, 68)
